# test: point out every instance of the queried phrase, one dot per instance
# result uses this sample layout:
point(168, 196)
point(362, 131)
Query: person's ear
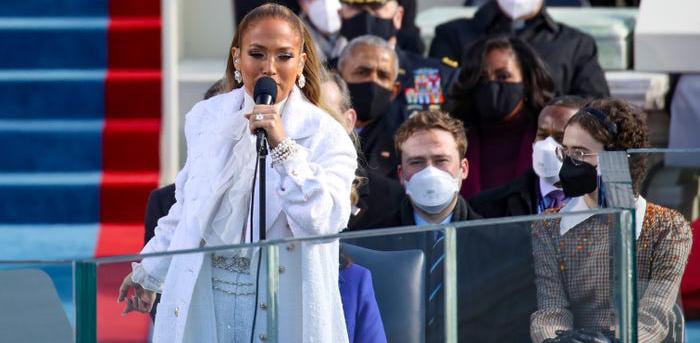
point(464, 167)
point(398, 18)
point(302, 62)
point(350, 119)
point(235, 56)
point(395, 90)
point(399, 172)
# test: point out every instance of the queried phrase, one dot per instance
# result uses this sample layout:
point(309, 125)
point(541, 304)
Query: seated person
point(572, 254)
point(690, 285)
point(370, 67)
point(375, 193)
point(538, 188)
point(496, 289)
point(570, 55)
point(498, 96)
point(424, 81)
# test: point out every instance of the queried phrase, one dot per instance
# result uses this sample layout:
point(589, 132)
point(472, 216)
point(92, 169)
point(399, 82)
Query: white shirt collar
point(577, 204)
point(546, 187)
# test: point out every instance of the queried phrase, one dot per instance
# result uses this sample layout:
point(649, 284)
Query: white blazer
point(307, 195)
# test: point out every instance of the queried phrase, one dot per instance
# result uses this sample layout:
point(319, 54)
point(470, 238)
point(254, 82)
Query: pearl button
point(290, 246)
point(282, 269)
point(263, 305)
point(177, 311)
point(294, 173)
point(263, 337)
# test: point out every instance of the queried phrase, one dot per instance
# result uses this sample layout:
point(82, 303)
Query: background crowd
point(504, 117)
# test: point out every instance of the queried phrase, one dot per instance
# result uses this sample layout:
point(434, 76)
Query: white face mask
point(516, 9)
point(545, 161)
point(324, 15)
point(432, 189)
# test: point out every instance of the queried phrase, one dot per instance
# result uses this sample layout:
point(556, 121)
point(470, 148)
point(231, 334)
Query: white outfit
point(308, 194)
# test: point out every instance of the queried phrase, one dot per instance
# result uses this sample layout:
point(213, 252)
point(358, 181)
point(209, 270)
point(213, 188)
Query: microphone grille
point(265, 85)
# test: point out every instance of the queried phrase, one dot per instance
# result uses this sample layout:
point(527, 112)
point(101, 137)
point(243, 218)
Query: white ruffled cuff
point(140, 276)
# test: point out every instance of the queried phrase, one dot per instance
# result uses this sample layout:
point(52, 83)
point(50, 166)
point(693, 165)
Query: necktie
point(555, 199)
point(436, 276)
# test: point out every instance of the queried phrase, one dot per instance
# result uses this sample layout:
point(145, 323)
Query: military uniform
point(424, 82)
point(570, 55)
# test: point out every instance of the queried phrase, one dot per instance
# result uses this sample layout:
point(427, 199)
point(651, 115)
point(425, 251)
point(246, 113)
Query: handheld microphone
point(264, 93)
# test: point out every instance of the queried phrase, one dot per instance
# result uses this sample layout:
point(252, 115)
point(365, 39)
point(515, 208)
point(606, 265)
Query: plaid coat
point(574, 288)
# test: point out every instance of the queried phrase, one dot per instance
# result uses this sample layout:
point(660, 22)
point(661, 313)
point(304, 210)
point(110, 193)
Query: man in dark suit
point(369, 66)
point(376, 194)
point(571, 55)
point(424, 81)
point(496, 289)
point(537, 189)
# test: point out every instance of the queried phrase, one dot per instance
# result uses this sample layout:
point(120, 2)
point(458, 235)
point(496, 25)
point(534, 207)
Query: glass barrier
point(494, 280)
point(666, 214)
point(37, 300)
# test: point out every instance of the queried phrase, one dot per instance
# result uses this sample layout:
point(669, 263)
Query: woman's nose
point(269, 67)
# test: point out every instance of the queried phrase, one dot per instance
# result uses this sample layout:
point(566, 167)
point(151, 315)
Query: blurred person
point(323, 21)
point(690, 284)
point(375, 193)
point(424, 81)
point(538, 188)
point(369, 66)
point(572, 254)
point(498, 96)
point(408, 38)
point(570, 55)
point(308, 195)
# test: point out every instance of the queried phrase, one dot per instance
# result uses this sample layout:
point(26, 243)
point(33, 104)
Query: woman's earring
point(237, 76)
point(301, 82)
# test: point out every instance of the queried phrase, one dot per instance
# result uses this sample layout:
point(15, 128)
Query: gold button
point(177, 311)
point(263, 337)
point(282, 269)
point(263, 305)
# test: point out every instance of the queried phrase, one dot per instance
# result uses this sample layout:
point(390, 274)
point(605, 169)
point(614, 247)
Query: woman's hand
point(142, 299)
point(267, 118)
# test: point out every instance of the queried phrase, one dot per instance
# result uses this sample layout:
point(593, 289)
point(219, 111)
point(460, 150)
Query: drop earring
point(237, 76)
point(301, 82)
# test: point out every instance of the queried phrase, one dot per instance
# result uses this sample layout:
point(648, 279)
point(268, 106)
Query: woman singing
point(211, 298)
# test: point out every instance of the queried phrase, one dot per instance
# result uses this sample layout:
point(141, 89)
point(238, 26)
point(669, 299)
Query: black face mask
point(578, 180)
point(364, 23)
point(370, 100)
point(495, 100)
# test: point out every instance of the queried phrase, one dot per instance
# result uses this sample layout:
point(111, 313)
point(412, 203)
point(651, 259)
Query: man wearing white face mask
point(538, 189)
point(570, 55)
point(323, 21)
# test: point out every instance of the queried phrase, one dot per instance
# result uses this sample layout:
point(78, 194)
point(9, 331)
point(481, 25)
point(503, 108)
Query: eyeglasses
point(577, 155)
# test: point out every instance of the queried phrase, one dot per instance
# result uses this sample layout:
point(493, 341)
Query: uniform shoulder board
point(449, 62)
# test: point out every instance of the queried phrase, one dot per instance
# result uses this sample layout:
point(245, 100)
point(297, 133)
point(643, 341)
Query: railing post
point(617, 184)
point(85, 295)
point(450, 285)
point(272, 291)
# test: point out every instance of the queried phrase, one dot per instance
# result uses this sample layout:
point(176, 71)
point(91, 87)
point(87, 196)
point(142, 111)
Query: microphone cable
point(252, 207)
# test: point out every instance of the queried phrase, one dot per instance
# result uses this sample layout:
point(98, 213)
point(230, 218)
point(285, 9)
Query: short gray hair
point(371, 41)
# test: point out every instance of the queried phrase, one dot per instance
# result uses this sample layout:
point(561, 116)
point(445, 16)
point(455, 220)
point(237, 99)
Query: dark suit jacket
point(159, 203)
point(379, 195)
point(570, 55)
point(377, 142)
point(519, 197)
point(495, 274)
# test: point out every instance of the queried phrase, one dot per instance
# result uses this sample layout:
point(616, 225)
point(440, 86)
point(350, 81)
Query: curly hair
point(427, 120)
point(631, 127)
point(539, 87)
